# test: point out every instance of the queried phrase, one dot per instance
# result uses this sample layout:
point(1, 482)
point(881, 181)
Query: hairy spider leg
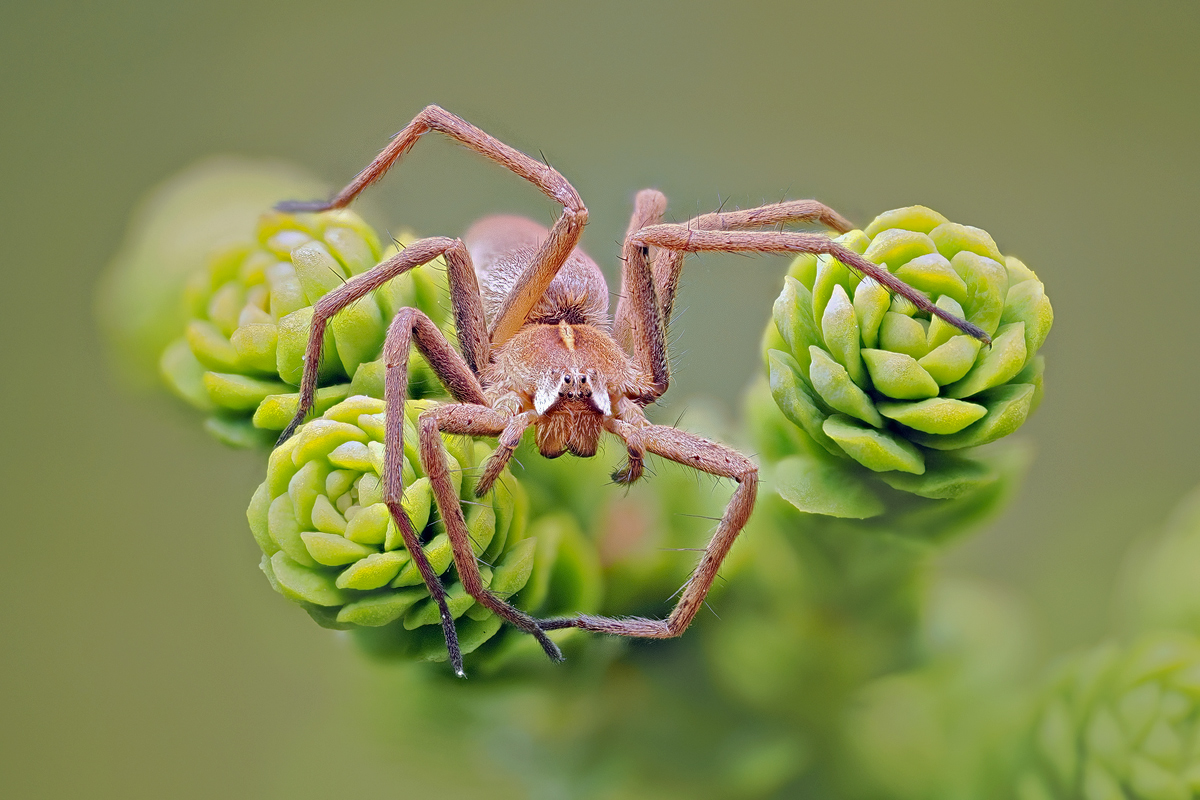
point(471, 417)
point(407, 326)
point(563, 238)
point(464, 291)
point(715, 459)
point(639, 323)
point(669, 265)
point(648, 287)
point(682, 238)
point(470, 420)
point(509, 438)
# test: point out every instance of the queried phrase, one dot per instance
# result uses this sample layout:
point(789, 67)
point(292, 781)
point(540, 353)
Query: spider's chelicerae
point(537, 347)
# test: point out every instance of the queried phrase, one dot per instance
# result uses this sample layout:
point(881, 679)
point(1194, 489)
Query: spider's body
point(562, 364)
point(536, 348)
point(573, 377)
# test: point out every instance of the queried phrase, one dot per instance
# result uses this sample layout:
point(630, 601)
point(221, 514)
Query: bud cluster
point(329, 542)
point(249, 314)
point(1121, 724)
point(869, 377)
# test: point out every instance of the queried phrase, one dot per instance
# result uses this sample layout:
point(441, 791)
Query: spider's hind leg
point(701, 454)
point(472, 420)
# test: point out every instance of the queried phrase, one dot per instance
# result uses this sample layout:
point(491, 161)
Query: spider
point(536, 348)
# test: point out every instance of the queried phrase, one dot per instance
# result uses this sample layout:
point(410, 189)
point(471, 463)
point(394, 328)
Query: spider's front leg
point(715, 459)
point(472, 417)
point(464, 296)
point(650, 280)
point(472, 420)
point(683, 239)
point(554, 251)
point(411, 325)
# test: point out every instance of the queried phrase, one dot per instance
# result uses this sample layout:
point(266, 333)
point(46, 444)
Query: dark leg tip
point(484, 486)
point(296, 206)
point(287, 432)
point(551, 649)
point(626, 475)
point(451, 634)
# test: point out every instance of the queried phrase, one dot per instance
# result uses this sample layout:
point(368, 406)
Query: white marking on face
point(601, 402)
point(600, 398)
point(547, 393)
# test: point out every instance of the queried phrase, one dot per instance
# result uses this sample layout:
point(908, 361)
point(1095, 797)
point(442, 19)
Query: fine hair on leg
point(564, 235)
point(681, 238)
point(509, 438)
point(669, 265)
point(407, 326)
point(715, 459)
point(474, 420)
point(464, 295)
point(650, 277)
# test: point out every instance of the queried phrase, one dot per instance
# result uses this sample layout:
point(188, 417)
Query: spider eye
point(583, 378)
point(566, 379)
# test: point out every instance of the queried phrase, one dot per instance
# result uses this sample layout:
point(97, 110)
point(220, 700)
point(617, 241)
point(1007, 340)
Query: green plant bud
point(210, 206)
point(935, 415)
point(871, 302)
point(184, 374)
point(1003, 360)
point(797, 401)
point(987, 287)
point(951, 360)
point(793, 321)
point(1119, 722)
point(803, 268)
point(830, 273)
point(330, 544)
point(240, 355)
point(833, 383)
point(839, 326)
point(870, 377)
point(1162, 574)
point(941, 331)
point(901, 333)
point(933, 275)
point(894, 247)
point(876, 450)
point(913, 218)
point(899, 375)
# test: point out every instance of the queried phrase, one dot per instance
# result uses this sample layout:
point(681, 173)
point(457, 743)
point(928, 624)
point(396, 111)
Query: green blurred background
point(143, 655)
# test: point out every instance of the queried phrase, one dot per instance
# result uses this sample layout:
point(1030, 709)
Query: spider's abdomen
point(501, 246)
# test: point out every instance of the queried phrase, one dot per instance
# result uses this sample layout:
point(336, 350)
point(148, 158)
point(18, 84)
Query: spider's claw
point(491, 471)
point(623, 476)
point(296, 206)
point(630, 473)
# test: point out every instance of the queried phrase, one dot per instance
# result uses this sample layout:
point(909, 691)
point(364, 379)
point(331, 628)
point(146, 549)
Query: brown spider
point(536, 349)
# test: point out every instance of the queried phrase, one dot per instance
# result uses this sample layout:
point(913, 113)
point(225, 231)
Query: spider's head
point(571, 406)
point(572, 376)
point(571, 398)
